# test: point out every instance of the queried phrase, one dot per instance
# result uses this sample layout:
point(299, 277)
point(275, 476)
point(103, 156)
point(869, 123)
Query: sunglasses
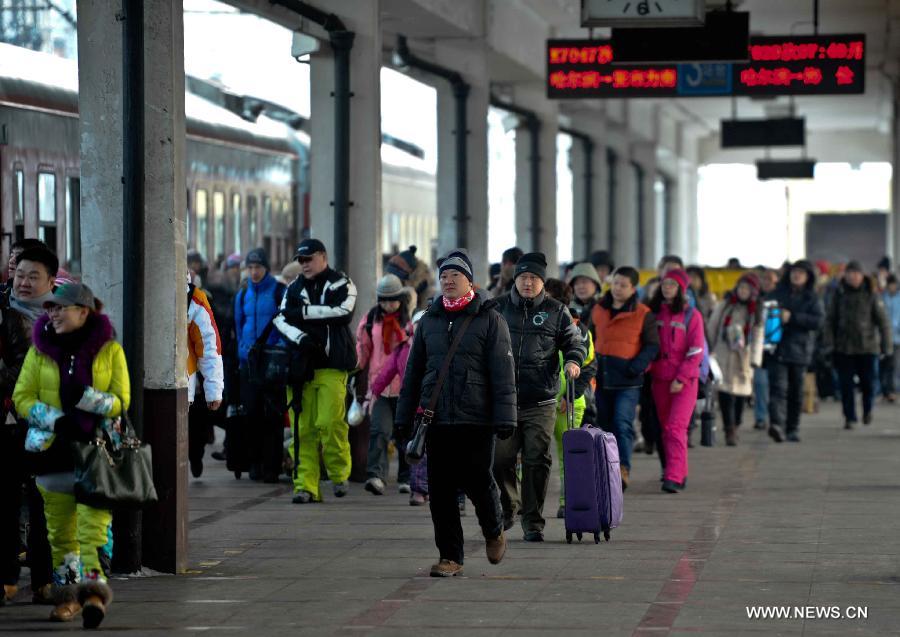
point(303, 260)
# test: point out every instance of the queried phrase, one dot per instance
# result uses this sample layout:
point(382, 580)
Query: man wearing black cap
point(321, 303)
point(540, 328)
point(857, 331)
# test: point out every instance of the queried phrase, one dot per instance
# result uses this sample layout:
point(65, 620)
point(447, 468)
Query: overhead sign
point(724, 38)
point(642, 13)
point(782, 131)
point(778, 65)
point(785, 169)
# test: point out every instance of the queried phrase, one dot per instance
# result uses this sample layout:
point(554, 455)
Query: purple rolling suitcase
point(593, 483)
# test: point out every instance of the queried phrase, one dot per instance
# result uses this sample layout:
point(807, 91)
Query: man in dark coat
point(856, 332)
point(802, 316)
point(541, 328)
point(477, 400)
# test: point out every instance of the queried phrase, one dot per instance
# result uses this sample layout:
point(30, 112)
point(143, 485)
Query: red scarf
point(751, 313)
point(456, 305)
point(390, 326)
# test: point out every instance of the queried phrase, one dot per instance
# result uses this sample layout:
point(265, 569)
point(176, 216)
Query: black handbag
point(269, 365)
point(107, 478)
point(415, 448)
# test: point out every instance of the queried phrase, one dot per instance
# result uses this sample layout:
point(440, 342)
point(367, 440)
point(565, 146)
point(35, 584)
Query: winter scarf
point(733, 300)
point(74, 355)
point(33, 309)
point(456, 305)
point(390, 329)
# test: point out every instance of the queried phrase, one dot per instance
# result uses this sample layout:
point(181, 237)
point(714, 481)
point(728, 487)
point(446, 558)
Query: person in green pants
point(563, 293)
point(320, 304)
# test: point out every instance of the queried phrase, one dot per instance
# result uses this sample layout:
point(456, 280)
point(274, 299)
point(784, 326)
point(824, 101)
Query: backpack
point(704, 364)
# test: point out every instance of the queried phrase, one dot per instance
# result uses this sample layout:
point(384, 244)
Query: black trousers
point(18, 488)
point(732, 409)
point(650, 427)
point(850, 367)
point(461, 457)
point(199, 428)
point(785, 394)
point(264, 410)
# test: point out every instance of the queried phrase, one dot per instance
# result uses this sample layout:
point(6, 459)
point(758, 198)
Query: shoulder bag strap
point(445, 369)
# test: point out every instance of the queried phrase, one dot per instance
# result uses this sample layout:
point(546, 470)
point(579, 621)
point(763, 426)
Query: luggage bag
point(593, 482)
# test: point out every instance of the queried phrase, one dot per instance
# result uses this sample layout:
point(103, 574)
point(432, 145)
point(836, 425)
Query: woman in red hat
point(676, 372)
point(736, 335)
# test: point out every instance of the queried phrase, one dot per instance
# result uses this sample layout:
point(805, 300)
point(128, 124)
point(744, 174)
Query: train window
point(202, 223)
point(218, 226)
point(236, 225)
point(73, 224)
point(19, 204)
point(251, 225)
point(47, 208)
point(267, 215)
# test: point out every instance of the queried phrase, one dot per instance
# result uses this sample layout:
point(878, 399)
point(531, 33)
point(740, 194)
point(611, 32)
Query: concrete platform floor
point(797, 525)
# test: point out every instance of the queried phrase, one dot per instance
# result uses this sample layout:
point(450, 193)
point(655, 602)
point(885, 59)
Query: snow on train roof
point(21, 67)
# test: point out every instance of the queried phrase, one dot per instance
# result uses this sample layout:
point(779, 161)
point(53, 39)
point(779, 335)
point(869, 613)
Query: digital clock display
point(778, 65)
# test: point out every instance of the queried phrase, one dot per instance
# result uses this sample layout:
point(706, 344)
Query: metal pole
point(588, 195)
point(127, 524)
point(341, 43)
point(533, 124)
point(461, 93)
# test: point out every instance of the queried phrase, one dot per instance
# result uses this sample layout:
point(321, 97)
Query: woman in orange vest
point(625, 342)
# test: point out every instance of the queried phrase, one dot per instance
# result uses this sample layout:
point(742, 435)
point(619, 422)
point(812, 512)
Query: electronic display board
point(778, 65)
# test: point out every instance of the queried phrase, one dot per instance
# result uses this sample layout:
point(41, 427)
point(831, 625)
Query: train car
point(247, 182)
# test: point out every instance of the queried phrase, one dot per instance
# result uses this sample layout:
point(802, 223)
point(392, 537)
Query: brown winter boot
point(95, 598)
point(731, 436)
point(67, 605)
point(446, 568)
point(495, 548)
point(9, 591)
point(625, 476)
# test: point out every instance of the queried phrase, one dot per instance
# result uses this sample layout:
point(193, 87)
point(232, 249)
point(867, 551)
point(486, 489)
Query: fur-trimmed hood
point(101, 332)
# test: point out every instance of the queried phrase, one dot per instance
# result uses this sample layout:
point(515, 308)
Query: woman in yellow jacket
point(73, 381)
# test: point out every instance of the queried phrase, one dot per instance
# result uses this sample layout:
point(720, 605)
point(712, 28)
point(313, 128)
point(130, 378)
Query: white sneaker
point(403, 487)
point(375, 486)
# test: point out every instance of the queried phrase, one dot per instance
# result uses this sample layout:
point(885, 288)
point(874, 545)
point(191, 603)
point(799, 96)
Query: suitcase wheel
point(596, 538)
point(568, 537)
point(578, 535)
point(237, 475)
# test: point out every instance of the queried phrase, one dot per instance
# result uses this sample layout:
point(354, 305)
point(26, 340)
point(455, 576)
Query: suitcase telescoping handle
point(570, 402)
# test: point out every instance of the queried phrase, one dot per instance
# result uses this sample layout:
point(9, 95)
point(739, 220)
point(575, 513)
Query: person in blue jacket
point(255, 305)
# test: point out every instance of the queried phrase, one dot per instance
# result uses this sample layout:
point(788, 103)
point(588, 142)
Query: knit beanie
point(854, 266)
point(389, 288)
point(534, 263)
point(753, 281)
point(258, 256)
point(401, 265)
point(457, 259)
point(587, 271)
point(680, 277)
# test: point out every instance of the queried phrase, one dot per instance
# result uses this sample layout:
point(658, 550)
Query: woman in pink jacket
point(379, 334)
point(675, 372)
point(393, 370)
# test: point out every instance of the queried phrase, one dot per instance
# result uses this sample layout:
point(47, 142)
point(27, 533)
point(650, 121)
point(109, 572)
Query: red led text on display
point(778, 65)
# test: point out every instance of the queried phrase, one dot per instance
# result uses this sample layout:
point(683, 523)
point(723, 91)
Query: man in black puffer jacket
point(802, 316)
point(540, 328)
point(477, 399)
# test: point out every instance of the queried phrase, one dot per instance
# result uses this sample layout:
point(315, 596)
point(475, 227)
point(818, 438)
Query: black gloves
point(505, 432)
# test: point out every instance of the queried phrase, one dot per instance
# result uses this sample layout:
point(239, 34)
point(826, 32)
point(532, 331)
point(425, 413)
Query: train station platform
point(805, 525)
